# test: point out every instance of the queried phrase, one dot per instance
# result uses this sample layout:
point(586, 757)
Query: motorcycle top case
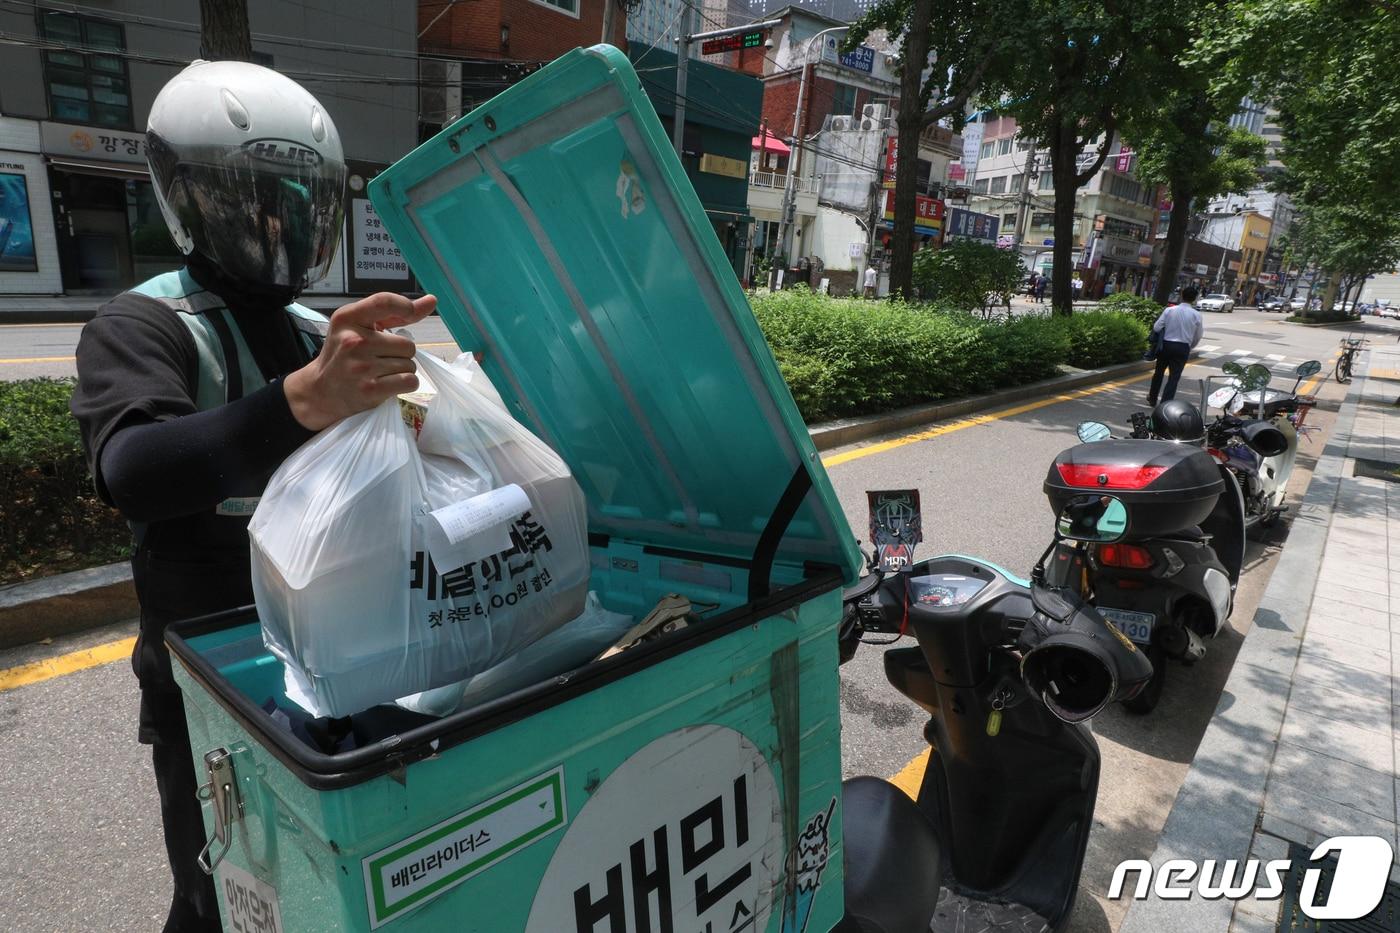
point(697, 774)
point(1166, 487)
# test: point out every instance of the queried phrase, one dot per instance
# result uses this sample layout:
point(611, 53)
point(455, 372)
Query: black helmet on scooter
point(1176, 420)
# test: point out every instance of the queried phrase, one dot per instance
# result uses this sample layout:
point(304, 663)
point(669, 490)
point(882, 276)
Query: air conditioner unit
point(868, 123)
point(876, 112)
point(841, 124)
point(440, 90)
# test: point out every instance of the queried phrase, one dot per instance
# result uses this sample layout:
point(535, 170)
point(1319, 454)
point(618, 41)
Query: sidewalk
point(1301, 746)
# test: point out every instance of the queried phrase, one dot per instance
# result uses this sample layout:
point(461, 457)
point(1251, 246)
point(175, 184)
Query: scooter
point(1256, 435)
point(1009, 671)
point(1170, 590)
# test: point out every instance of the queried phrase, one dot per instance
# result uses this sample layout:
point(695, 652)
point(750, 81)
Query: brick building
point(520, 30)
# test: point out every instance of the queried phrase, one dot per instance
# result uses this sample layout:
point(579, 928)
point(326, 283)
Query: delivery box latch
point(221, 790)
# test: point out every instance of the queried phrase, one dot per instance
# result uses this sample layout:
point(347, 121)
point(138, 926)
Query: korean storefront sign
point(928, 213)
point(90, 142)
point(373, 261)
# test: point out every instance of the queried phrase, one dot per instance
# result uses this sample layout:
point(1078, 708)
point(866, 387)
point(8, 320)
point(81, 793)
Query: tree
point(1339, 108)
point(972, 276)
point(924, 101)
point(223, 30)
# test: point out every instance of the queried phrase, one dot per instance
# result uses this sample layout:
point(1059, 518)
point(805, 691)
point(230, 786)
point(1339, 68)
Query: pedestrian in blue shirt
point(1181, 328)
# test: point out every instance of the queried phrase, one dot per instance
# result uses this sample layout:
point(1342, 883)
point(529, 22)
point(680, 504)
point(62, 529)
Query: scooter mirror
point(1311, 367)
point(1256, 376)
point(1097, 518)
point(1091, 431)
point(1231, 368)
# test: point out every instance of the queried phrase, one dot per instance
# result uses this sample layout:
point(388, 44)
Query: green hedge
point(842, 357)
point(50, 518)
point(1143, 309)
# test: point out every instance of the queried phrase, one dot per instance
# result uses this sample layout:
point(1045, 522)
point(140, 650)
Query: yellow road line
point(949, 428)
point(49, 668)
point(38, 359)
point(912, 775)
point(446, 343)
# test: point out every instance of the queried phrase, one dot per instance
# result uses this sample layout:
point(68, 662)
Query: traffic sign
point(742, 40)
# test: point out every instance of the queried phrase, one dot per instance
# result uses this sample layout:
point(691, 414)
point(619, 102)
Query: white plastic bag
point(571, 645)
point(383, 568)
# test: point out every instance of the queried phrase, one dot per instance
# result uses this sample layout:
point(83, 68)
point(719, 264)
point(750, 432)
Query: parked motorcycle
point(1170, 583)
point(1009, 671)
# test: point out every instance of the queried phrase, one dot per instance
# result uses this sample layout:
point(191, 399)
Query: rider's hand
point(359, 365)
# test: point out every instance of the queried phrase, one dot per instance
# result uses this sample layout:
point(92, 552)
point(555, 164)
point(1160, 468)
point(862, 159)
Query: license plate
point(1137, 626)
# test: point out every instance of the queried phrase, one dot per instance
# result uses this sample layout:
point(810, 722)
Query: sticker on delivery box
point(249, 904)
point(441, 857)
point(688, 829)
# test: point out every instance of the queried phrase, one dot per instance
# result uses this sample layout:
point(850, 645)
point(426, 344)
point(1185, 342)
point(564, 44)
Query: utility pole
point(223, 31)
point(785, 225)
point(683, 44)
point(609, 8)
point(1021, 209)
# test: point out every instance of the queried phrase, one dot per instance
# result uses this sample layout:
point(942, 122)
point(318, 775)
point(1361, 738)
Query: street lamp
point(789, 193)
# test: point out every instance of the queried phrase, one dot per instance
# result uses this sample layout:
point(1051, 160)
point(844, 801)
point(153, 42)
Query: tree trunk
point(223, 32)
point(906, 173)
point(1177, 228)
point(1063, 168)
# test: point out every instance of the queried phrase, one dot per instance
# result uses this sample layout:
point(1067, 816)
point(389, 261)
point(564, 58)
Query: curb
point(1219, 803)
point(66, 603)
point(850, 430)
point(1348, 321)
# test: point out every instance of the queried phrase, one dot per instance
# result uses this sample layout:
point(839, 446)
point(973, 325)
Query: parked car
point(1297, 303)
point(1222, 303)
point(1274, 304)
point(1343, 307)
point(1390, 311)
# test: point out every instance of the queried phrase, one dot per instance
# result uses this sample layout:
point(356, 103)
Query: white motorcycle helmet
point(249, 173)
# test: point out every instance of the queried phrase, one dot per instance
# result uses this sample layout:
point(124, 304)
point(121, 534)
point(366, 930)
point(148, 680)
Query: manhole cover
point(1377, 469)
point(1291, 919)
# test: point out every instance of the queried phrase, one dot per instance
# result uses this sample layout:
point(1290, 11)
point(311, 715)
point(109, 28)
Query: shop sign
point(723, 165)
point(956, 172)
point(1202, 269)
point(91, 143)
point(891, 161)
point(859, 59)
point(1124, 161)
point(373, 260)
point(928, 213)
point(16, 223)
point(689, 829)
point(1144, 254)
point(972, 146)
point(970, 224)
point(743, 40)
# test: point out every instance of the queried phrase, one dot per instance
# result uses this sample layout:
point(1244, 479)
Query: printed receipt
point(475, 528)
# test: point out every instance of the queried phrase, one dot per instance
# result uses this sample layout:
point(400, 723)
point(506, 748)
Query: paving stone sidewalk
point(1302, 746)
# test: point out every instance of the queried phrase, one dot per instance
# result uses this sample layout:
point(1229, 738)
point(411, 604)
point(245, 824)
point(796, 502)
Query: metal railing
point(779, 180)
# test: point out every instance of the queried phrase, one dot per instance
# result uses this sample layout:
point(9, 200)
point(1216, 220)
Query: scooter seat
point(893, 860)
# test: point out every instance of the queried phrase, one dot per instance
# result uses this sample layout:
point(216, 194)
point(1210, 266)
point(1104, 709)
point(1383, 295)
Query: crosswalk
point(1279, 364)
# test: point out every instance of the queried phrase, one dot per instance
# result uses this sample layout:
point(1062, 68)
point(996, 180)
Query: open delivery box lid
point(558, 230)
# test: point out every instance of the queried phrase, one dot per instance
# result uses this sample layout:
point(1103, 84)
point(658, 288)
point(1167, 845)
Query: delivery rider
point(194, 386)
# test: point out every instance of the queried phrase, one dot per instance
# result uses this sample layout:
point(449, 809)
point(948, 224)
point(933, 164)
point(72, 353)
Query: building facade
point(83, 220)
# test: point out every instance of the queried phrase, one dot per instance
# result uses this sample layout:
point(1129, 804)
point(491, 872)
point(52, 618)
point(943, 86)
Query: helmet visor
point(268, 213)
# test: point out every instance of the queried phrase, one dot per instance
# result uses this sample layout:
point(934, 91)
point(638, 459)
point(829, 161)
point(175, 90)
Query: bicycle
point(1350, 347)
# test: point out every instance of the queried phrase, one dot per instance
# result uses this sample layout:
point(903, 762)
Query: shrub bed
point(1143, 309)
point(843, 357)
point(51, 520)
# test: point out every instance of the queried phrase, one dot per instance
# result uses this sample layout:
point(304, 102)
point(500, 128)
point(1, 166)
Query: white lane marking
point(1277, 357)
point(1240, 352)
point(1207, 348)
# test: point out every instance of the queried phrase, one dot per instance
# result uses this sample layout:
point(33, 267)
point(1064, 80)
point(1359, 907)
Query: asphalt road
point(79, 838)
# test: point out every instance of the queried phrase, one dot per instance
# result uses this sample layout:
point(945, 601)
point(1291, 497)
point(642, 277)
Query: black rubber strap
point(233, 369)
point(767, 548)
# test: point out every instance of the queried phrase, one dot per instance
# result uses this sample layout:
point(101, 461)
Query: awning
point(770, 143)
point(124, 169)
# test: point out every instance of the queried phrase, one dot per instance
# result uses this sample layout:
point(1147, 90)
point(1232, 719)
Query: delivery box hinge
point(221, 791)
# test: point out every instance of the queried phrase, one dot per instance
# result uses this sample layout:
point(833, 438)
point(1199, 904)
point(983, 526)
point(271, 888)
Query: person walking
point(193, 387)
point(1040, 285)
point(871, 277)
point(1181, 328)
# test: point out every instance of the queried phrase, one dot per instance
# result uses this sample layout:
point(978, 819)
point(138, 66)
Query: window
point(1042, 219)
point(998, 185)
point(843, 100)
point(988, 149)
point(1004, 147)
point(563, 6)
point(1018, 182)
point(86, 87)
point(1008, 223)
point(1047, 181)
point(979, 186)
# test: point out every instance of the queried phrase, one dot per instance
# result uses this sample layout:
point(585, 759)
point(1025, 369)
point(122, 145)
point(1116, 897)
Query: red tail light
point(1109, 476)
point(1126, 556)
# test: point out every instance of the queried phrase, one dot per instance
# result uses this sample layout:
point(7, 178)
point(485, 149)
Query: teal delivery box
point(688, 784)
